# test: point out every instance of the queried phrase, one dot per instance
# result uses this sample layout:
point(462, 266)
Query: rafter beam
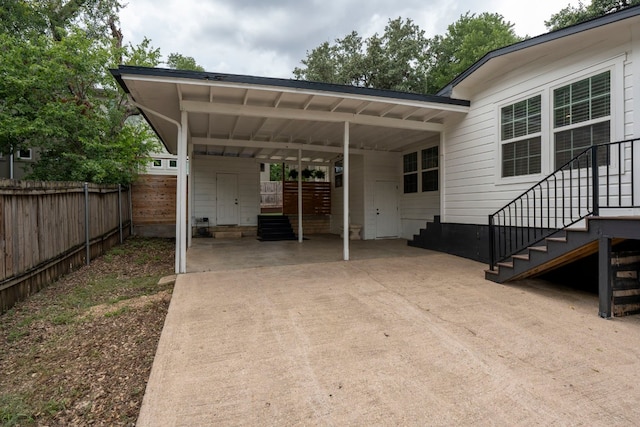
point(318, 116)
point(274, 145)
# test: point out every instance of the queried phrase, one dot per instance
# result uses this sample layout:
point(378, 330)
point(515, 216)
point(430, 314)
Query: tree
point(403, 58)
point(391, 61)
point(571, 15)
point(465, 42)
point(56, 93)
point(180, 62)
point(57, 96)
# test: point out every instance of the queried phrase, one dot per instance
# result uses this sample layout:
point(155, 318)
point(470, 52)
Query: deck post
point(345, 190)
point(605, 291)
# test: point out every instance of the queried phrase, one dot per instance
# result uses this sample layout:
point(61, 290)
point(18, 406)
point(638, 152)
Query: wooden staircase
point(562, 248)
point(620, 294)
point(274, 228)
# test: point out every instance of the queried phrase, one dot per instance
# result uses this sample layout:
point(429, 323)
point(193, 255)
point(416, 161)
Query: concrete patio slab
point(413, 338)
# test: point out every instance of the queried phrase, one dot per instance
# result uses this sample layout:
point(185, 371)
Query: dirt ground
point(79, 352)
point(417, 340)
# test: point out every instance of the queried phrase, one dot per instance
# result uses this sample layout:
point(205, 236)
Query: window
point(410, 169)
point(338, 171)
point(173, 164)
point(520, 136)
point(582, 117)
point(157, 163)
point(24, 154)
point(430, 169)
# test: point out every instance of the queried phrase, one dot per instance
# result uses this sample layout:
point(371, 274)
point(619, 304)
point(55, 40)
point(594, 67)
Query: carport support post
point(181, 191)
point(300, 236)
point(345, 190)
point(190, 198)
point(605, 291)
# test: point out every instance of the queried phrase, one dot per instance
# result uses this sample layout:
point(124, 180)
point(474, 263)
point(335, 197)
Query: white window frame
point(21, 157)
point(615, 88)
point(169, 163)
point(516, 139)
point(544, 137)
point(416, 172)
point(616, 66)
point(429, 169)
point(160, 166)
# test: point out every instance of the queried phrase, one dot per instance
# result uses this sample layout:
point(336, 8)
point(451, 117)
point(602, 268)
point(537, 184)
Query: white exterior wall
point(205, 169)
point(473, 184)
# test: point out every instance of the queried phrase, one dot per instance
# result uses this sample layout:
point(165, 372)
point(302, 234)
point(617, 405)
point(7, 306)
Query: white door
point(385, 200)
point(227, 199)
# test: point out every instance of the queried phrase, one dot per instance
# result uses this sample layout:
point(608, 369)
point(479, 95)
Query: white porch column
point(181, 198)
point(300, 237)
point(192, 207)
point(345, 189)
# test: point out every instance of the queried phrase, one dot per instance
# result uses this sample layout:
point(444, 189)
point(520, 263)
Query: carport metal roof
point(277, 120)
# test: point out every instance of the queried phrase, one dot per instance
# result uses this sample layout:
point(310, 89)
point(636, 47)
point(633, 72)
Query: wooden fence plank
point(42, 231)
point(316, 198)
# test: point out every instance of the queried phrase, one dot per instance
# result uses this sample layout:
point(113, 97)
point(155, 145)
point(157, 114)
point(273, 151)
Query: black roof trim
point(283, 83)
point(627, 13)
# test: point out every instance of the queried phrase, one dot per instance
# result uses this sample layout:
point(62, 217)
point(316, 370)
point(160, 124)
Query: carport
point(276, 120)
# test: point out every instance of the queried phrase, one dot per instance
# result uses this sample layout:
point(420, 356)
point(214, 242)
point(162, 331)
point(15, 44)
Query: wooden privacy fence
point(49, 228)
point(316, 198)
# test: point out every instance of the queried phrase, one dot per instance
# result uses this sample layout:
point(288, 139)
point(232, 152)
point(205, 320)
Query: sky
point(269, 38)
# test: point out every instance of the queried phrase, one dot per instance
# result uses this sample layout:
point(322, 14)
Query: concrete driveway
point(398, 336)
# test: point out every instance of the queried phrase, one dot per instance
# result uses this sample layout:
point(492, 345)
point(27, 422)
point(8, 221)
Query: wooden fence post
point(86, 224)
point(120, 211)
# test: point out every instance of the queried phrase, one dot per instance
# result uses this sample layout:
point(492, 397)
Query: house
point(16, 165)
point(437, 170)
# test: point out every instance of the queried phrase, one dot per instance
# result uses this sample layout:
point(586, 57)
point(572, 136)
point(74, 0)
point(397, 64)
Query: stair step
point(494, 272)
point(538, 248)
point(557, 239)
point(227, 234)
point(505, 264)
point(524, 257)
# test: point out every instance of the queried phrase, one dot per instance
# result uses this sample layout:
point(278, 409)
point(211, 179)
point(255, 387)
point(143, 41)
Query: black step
point(274, 228)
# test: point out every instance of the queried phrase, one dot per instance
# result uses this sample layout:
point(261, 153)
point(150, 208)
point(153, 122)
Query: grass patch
point(14, 410)
point(118, 312)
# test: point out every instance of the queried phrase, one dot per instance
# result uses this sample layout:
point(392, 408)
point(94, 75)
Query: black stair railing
point(602, 176)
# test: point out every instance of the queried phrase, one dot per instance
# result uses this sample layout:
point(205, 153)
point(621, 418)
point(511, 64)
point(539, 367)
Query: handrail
point(566, 196)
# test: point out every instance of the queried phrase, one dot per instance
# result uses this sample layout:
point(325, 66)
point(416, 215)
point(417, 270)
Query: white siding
point(473, 186)
point(205, 169)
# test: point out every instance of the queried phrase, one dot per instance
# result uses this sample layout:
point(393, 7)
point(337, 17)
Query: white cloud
point(270, 38)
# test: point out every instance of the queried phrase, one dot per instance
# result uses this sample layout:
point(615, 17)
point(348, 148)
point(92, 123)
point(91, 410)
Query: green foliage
point(403, 58)
point(390, 61)
point(14, 410)
point(181, 62)
point(572, 15)
point(275, 172)
point(57, 96)
point(465, 42)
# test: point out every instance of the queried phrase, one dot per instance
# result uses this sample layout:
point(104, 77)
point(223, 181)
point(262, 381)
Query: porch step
point(275, 228)
point(227, 234)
